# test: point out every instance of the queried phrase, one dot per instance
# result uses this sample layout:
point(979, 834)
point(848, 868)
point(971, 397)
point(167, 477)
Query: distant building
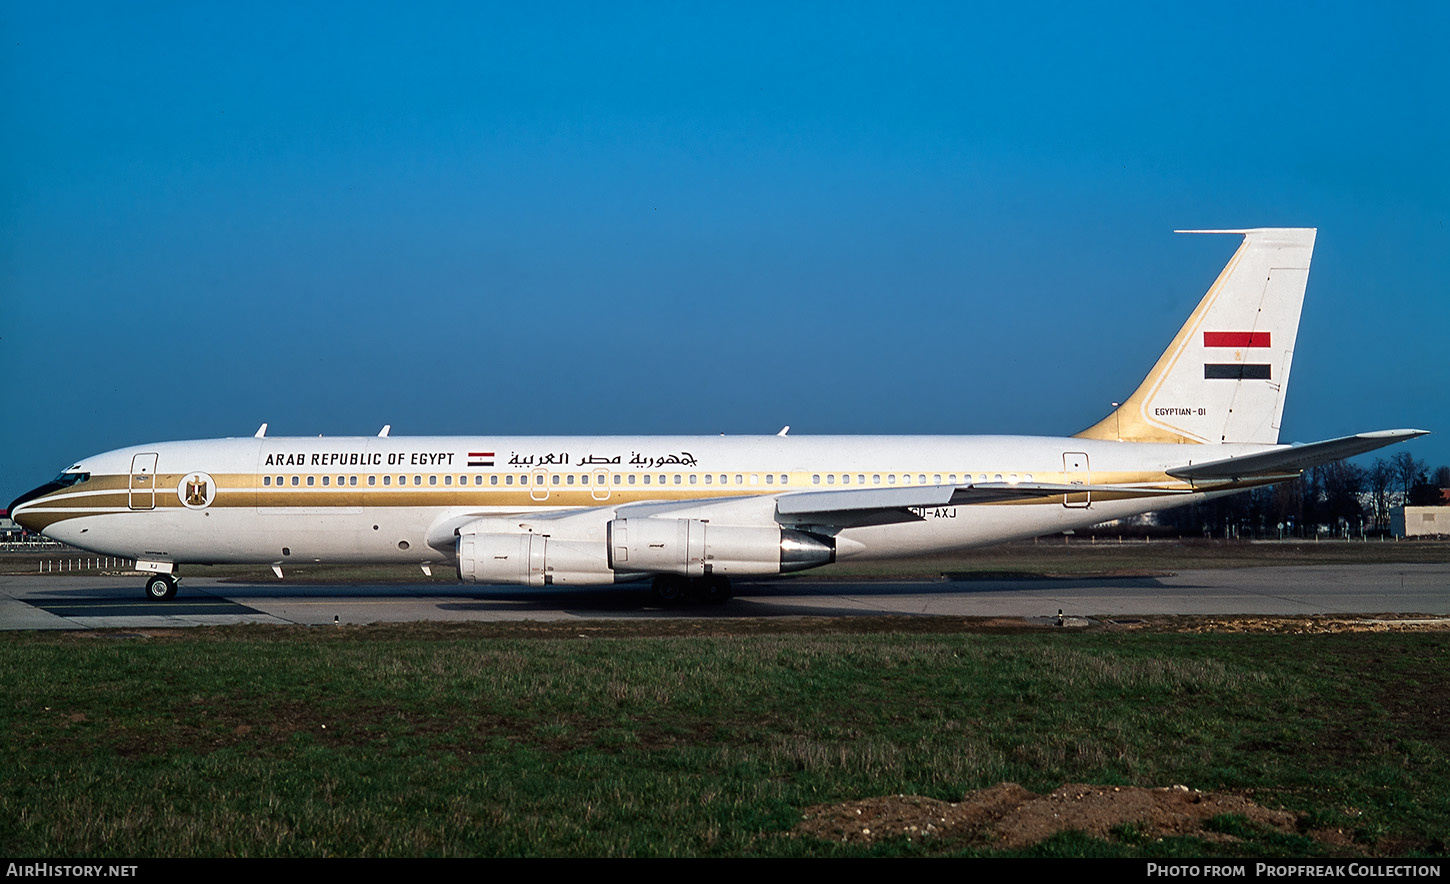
point(8, 529)
point(1419, 521)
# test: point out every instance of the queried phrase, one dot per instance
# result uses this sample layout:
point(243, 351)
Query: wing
point(874, 506)
point(1291, 459)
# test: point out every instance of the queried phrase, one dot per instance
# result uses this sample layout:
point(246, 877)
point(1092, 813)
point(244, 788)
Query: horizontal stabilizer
point(1293, 458)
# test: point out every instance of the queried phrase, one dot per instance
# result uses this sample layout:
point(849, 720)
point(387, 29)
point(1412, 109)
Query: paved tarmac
point(60, 602)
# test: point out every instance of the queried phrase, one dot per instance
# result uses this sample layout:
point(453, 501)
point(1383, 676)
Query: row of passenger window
point(921, 478)
point(536, 479)
point(342, 481)
point(598, 479)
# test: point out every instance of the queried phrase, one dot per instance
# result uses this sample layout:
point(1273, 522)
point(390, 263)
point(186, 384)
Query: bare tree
point(1379, 486)
point(1408, 472)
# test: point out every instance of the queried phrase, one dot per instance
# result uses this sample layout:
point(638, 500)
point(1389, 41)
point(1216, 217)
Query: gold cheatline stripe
point(238, 491)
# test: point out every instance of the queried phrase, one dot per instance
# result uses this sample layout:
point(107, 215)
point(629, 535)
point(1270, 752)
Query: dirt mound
point(1008, 816)
point(1319, 625)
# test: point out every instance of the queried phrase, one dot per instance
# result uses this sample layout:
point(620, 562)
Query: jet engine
point(528, 559)
point(693, 547)
point(490, 551)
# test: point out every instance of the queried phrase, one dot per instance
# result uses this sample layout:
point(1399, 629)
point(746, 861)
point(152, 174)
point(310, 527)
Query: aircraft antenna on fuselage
point(383, 433)
point(261, 432)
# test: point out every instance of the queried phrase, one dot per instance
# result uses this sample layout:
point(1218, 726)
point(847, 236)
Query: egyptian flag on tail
point(480, 458)
point(1236, 371)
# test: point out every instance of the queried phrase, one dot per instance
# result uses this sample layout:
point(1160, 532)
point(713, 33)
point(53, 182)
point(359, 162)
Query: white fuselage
point(382, 499)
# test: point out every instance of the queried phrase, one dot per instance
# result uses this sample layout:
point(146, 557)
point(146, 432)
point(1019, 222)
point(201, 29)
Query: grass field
point(569, 740)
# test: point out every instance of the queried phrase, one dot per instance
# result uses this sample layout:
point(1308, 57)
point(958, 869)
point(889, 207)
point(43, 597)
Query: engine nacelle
point(528, 559)
point(693, 547)
point(496, 550)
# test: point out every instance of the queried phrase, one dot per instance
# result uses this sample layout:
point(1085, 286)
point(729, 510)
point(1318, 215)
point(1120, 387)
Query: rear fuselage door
point(1075, 472)
point(143, 482)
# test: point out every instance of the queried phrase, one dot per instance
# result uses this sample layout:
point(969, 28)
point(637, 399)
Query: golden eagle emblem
point(196, 491)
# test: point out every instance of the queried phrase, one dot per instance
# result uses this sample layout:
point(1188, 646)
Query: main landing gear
point(161, 587)
point(671, 589)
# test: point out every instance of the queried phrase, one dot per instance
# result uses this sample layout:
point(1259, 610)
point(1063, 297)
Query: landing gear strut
point(672, 590)
point(161, 587)
point(714, 590)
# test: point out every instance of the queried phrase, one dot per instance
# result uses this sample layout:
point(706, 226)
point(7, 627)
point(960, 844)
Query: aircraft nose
point(24, 514)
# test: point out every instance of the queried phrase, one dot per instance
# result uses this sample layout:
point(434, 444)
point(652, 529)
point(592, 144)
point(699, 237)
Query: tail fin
point(1224, 377)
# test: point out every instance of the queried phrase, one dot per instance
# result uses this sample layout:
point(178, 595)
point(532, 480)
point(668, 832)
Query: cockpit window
point(65, 480)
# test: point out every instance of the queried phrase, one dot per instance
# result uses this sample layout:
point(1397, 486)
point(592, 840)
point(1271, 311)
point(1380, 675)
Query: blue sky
point(697, 218)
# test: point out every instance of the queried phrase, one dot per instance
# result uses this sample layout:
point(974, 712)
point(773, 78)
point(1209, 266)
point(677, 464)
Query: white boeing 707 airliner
point(692, 512)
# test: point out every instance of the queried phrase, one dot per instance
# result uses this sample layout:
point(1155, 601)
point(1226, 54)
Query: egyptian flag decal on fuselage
point(1236, 371)
point(480, 458)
